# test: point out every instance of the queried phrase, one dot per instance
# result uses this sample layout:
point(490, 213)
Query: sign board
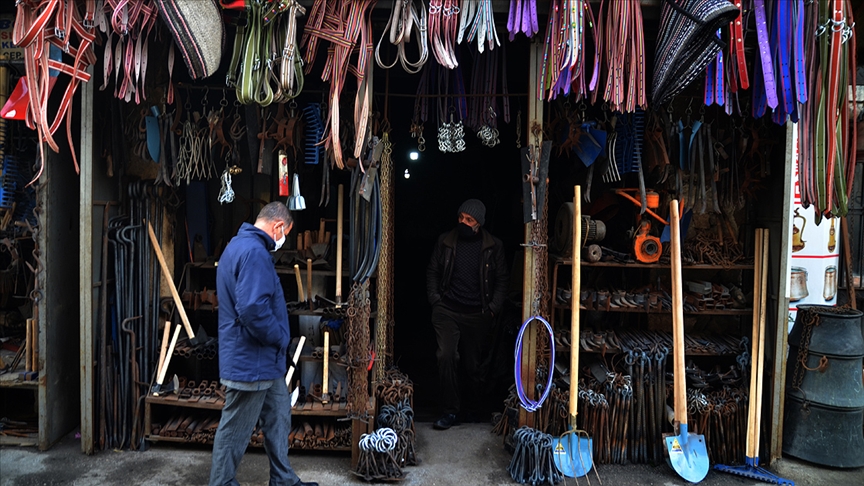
point(8, 50)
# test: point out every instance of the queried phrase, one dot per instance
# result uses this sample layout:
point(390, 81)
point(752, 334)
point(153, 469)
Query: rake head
point(753, 471)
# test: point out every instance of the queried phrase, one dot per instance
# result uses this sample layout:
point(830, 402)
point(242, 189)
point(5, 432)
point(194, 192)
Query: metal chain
point(358, 351)
point(384, 321)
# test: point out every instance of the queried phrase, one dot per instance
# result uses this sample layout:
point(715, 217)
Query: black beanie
point(474, 208)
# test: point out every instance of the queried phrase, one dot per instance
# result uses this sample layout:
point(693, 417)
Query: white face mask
point(280, 241)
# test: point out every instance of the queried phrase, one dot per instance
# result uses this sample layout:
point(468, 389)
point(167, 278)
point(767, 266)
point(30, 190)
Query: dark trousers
point(242, 410)
point(463, 342)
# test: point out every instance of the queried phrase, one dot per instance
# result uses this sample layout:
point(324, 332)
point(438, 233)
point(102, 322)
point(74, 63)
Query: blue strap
point(800, 65)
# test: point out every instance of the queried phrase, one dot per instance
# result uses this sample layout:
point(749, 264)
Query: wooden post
point(529, 268)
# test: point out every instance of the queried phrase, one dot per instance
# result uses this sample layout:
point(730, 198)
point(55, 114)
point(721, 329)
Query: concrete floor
point(464, 455)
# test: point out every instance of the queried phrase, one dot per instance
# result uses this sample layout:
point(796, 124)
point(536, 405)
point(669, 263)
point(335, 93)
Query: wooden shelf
point(182, 403)
point(568, 261)
point(332, 409)
point(280, 269)
point(706, 312)
point(21, 385)
point(566, 350)
point(159, 438)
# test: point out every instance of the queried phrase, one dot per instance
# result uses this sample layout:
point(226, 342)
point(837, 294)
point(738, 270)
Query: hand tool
point(297, 352)
point(301, 295)
point(167, 274)
point(325, 379)
point(760, 285)
point(166, 334)
point(687, 451)
point(572, 452)
point(158, 387)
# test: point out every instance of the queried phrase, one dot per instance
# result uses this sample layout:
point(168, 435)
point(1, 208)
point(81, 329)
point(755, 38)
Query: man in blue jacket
point(253, 342)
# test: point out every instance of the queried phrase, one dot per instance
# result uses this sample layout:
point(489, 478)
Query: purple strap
point(765, 53)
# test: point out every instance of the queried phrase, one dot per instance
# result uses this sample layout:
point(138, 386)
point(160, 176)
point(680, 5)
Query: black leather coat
point(493, 272)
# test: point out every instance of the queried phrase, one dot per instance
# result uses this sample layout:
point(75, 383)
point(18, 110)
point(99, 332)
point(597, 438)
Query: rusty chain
point(384, 321)
point(358, 351)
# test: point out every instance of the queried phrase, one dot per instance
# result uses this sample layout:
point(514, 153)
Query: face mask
point(465, 231)
point(280, 241)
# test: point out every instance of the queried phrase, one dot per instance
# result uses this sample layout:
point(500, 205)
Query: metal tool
point(572, 452)
point(159, 388)
point(687, 451)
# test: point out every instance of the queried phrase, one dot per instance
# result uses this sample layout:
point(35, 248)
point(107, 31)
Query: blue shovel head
point(688, 454)
point(572, 454)
point(666, 235)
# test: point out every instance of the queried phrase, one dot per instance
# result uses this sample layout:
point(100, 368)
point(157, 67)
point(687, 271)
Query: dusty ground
point(462, 456)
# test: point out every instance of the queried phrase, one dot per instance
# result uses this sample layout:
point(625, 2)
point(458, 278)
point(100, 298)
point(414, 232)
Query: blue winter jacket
point(253, 318)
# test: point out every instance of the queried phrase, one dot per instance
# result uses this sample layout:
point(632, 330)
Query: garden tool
point(572, 451)
point(688, 454)
point(296, 392)
point(751, 469)
point(301, 295)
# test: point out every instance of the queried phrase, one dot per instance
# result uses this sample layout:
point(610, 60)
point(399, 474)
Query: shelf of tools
point(626, 306)
point(188, 410)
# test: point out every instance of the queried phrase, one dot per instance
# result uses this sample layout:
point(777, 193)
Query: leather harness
point(39, 25)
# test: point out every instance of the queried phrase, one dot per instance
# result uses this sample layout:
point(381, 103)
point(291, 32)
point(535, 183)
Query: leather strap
point(406, 17)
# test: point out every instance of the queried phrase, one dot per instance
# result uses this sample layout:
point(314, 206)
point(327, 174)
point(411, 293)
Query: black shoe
point(445, 422)
point(301, 483)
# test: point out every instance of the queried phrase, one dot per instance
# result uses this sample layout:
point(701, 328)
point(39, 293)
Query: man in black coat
point(466, 283)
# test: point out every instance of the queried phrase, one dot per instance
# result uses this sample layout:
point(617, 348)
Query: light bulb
point(414, 155)
point(407, 174)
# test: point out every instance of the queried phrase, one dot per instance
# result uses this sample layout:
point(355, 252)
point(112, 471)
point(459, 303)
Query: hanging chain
point(519, 129)
point(358, 351)
point(384, 322)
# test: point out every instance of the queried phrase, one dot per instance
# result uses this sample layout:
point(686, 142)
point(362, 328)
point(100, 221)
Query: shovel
point(294, 359)
point(572, 451)
point(688, 454)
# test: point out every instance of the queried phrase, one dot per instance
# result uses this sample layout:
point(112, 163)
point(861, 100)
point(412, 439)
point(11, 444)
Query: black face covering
point(465, 231)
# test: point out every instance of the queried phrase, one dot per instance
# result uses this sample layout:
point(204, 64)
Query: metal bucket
point(837, 385)
point(824, 435)
point(838, 332)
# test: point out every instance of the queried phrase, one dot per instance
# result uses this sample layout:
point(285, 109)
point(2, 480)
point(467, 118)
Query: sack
point(197, 28)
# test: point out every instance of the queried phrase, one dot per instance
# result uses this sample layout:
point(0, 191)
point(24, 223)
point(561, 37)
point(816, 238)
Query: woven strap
point(34, 22)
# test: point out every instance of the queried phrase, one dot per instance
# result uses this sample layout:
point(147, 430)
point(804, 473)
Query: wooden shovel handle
point(677, 316)
point(165, 272)
point(166, 333)
point(161, 378)
point(575, 284)
point(754, 342)
point(301, 294)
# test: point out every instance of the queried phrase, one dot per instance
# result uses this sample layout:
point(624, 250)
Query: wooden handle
point(161, 377)
point(760, 349)
point(166, 334)
point(301, 295)
point(575, 284)
point(297, 353)
point(754, 343)
point(309, 283)
point(321, 231)
point(339, 214)
point(307, 239)
point(325, 379)
point(180, 309)
point(299, 241)
point(677, 317)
